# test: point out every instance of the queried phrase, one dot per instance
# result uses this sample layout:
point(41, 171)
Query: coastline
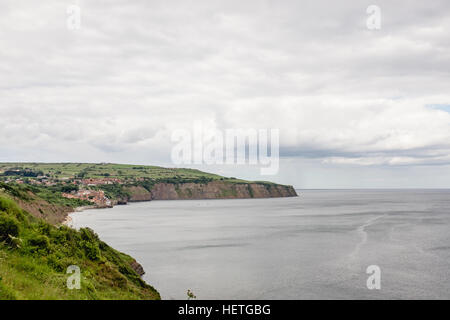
point(68, 219)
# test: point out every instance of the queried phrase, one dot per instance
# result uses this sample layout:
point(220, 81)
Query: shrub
point(88, 235)
point(9, 206)
point(69, 188)
point(59, 262)
point(8, 227)
point(39, 242)
point(44, 228)
point(91, 250)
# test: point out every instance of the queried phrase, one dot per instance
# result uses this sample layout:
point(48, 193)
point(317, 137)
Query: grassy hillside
point(34, 256)
point(99, 170)
point(41, 201)
point(119, 171)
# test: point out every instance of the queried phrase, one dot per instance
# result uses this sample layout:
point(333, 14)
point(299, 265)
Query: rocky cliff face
point(220, 190)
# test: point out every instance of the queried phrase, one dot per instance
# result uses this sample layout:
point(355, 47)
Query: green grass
point(99, 170)
point(34, 257)
point(125, 172)
point(51, 194)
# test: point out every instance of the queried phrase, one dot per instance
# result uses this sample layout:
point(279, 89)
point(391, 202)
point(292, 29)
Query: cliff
point(35, 256)
point(69, 185)
point(210, 190)
point(219, 190)
point(138, 193)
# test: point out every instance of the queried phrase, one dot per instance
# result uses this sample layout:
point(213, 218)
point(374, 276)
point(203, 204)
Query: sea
point(323, 244)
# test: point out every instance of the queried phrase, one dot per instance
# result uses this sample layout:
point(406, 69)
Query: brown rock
point(137, 267)
point(219, 190)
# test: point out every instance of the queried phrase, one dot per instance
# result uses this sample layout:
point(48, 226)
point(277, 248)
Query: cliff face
point(138, 194)
point(42, 209)
point(219, 190)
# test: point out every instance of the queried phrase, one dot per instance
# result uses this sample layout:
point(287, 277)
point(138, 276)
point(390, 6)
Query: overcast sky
point(355, 107)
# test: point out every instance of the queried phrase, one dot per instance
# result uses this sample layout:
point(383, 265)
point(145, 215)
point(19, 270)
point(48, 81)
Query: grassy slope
point(41, 202)
point(34, 257)
point(121, 171)
point(97, 170)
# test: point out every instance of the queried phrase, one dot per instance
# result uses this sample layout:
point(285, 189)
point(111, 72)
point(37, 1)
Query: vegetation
point(110, 170)
point(51, 194)
point(114, 191)
point(137, 175)
point(21, 172)
point(101, 170)
point(35, 255)
point(190, 295)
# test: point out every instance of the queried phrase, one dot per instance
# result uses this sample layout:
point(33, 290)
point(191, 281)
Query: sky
point(355, 107)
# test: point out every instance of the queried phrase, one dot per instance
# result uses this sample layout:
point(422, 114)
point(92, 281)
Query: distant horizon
point(206, 170)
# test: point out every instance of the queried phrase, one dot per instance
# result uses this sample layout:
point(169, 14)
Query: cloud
point(116, 88)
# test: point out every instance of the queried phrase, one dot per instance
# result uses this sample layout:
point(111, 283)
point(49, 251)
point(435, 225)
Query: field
point(100, 170)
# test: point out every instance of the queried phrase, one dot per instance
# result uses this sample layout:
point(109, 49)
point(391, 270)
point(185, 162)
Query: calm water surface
point(315, 246)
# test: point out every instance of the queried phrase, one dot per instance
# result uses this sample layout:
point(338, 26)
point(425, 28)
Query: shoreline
point(68, 219)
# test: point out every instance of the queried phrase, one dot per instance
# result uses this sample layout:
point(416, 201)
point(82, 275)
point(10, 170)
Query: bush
point(88, 235)
point(44, 228)
point(8, 227)
point(69, 188)
point(9, 206)
point(91, 250)
point(39, 242)
point(59, 262)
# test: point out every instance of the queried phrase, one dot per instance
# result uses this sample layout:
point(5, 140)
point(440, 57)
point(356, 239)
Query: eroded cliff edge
point(210, 190)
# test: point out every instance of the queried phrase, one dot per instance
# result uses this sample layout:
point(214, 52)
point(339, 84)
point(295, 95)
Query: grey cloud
point(116, 88)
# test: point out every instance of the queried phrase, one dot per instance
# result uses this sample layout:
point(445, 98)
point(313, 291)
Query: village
point(76, 188)
point(96, 196)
